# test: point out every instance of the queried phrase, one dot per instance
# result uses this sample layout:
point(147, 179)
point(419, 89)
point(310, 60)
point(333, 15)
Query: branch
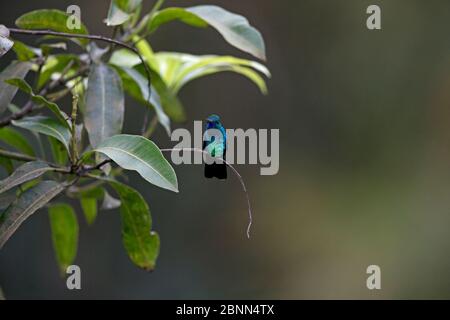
point(90, 37)
point(28, 108)
point(241, 180)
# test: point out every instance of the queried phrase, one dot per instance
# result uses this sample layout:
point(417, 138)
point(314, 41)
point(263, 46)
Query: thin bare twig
point(241, 180)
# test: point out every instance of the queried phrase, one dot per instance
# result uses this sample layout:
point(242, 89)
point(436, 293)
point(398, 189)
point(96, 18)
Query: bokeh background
point(364, 165)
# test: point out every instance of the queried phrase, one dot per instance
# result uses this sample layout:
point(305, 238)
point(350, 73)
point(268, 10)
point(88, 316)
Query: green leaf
point(234, 28)
point(54, 65)
point(89, 206)
point(7, 164)
point(95, 192)
point(59, 152)
point(128, 5)
point(47, 48)
point(40, 100)
point(180, 68)
point(136, 85)
point(142, 155)
point(50, 19)
point(16, 140)
point(27, 204)
point(141, 243)
point(120, 11)
point(64, 226)
point(105, 104)
point(171, 105)
point(27, 185)
point(47, 126)
point(146, 51)
point(171, 14)
point(116, 16)
point(23, 52)
point(17, 69)
point(26, 172)
point(124, 58)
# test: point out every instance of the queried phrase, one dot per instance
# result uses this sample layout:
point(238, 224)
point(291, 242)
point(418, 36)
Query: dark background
point(364, 165)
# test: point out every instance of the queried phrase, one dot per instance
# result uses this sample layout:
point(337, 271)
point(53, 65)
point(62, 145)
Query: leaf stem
point(73, 139)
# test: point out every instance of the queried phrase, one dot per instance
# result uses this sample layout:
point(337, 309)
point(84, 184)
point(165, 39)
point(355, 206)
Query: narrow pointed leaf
point(7, 164)
point(16, 140)
point(178, 69)
point(105, 104)
point(128, 5)
point(54, 65)
point(23, 52)
point(171, 14)
point(125, 58)
point(59, 151)
point(40, 100)
point(116, 16)
point(136, 85)
point(141, 243)
point(28, 203)
point(50, 19)
point(64, 226)
point(26, 172)
point(142, 155)
point(233, 27)
point(47, 126)
point(171, 105)
point(89, 206)
point(16, 69)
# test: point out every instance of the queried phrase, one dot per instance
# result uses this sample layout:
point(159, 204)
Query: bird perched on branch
point(215, 144)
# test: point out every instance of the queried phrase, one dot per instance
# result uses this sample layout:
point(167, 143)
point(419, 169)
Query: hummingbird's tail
point(218, 170)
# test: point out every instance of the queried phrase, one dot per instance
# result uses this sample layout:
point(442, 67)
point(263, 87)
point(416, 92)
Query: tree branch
point(29, 106)
point(90, 37)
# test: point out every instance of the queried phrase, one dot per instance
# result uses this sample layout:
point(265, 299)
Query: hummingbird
point(216, 147)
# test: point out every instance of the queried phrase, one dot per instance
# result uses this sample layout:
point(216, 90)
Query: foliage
point(98, 79)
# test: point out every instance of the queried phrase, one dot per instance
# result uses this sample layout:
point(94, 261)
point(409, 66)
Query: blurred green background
point(364, 165)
